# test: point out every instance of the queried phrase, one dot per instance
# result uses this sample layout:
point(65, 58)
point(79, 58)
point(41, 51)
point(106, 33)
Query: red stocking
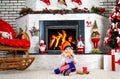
point(46, 1)
point(77, 1)
point(62, 2)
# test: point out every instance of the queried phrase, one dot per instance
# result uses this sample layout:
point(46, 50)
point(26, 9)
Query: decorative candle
point(85, 69)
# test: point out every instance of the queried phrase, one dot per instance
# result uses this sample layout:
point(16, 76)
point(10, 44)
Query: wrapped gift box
point(112, 62)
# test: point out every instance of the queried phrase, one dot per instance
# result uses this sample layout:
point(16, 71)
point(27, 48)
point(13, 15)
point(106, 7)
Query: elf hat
point(65, 45)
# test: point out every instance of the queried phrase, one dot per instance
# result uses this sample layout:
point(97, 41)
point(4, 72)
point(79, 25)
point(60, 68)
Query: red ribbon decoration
point(113, 62)
point(46, 1)
point(77, 1)
point(64, 3)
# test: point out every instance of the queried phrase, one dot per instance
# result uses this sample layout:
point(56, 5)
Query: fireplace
point(56, 32)
point(77, 22)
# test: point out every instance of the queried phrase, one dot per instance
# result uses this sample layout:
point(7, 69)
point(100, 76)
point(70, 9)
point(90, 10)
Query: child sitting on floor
point(68, 60)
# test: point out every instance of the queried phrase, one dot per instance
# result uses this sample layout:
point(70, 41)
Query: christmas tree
point(113, 34)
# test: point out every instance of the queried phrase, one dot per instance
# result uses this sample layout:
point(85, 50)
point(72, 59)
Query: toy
point(95, 36)
point(6, 35)
point(68, 60)
point(5, 27)
point(65, 69)
point(83, 72)
point(42, 47)
point(80, 46)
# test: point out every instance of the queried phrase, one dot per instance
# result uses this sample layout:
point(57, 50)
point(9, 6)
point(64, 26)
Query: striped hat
point(65, 45)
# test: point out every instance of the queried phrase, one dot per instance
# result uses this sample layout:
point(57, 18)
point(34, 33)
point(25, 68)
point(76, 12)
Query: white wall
point(39, 5)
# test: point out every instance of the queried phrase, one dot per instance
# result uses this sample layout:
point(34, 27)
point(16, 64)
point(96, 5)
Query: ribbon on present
point(118, 62)
point(112, 59)
point(113, 62)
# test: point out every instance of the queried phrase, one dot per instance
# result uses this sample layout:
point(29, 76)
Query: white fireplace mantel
point(31, 19)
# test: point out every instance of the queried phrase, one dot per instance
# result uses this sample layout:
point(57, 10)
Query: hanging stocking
point(46, 1)
point(77, 1)
point(62, 2)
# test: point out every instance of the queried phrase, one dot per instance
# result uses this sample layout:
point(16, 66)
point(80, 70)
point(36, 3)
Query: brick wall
point(108, 5)
point(9, 10)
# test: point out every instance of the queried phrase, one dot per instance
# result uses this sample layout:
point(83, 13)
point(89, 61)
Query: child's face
point(68, 52)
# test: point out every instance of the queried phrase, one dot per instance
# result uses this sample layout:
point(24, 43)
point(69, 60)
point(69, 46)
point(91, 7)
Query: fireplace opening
point(56, 37)
point(56, 32)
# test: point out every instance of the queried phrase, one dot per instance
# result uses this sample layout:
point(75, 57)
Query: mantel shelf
point(64, 14)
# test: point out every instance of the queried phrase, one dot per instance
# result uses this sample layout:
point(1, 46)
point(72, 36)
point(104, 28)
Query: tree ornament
point(109, 32)
point(118, 1)
point(106, 40)
point(79, 2)
point(116, 8)
point(118, 16)
point(46, 1)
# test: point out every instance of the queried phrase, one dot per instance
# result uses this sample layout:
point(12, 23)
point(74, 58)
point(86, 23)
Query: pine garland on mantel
point(26, 10)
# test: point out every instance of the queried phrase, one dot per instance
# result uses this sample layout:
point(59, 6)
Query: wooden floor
point(48, 74)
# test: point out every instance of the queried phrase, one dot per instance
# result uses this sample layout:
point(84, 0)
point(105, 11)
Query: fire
point(57, 40)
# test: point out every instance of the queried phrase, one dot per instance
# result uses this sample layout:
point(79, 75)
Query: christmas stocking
point(77, 1)
point(62, 2)
point(46, 1)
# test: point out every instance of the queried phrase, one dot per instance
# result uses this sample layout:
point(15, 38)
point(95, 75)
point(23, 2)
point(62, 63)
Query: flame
point(60, 38)
point(52, 40)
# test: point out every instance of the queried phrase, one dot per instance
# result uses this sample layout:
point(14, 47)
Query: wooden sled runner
point(15, 62)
